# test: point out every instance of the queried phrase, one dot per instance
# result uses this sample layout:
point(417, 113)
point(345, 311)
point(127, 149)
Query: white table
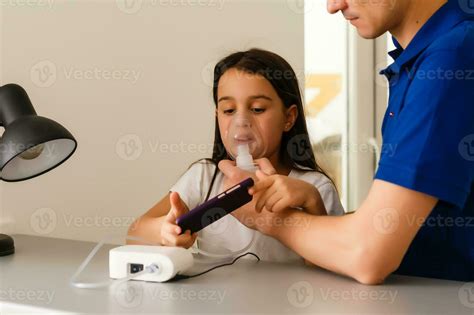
point(35, 279)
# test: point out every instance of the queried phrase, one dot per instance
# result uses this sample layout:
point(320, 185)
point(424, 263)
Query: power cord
point(182, 277)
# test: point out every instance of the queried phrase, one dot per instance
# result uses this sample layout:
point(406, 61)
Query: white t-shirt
point(228, 233)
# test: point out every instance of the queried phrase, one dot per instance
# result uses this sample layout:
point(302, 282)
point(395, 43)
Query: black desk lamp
point(31, 145)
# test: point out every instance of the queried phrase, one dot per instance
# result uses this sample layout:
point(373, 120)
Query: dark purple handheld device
point(216, 208)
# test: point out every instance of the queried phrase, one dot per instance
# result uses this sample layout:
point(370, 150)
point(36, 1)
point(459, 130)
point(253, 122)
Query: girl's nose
point(242, 122)
point(335, 6)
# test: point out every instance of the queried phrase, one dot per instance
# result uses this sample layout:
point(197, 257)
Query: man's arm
point(367, 245)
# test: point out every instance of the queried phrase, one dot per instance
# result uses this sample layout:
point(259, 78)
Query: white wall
point(170, 46)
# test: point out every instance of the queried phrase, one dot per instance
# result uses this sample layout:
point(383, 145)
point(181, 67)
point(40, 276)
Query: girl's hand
point(170, 231)
point(232, 176)
point(276, 193)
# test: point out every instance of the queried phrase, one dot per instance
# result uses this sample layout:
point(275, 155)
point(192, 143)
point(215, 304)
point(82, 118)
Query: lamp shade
point(31, 145)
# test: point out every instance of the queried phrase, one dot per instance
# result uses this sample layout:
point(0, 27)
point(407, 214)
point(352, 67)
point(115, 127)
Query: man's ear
point(291, 116)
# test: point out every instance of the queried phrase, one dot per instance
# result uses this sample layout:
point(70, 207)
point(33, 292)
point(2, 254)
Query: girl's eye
point(228, 111)
point(258, 110)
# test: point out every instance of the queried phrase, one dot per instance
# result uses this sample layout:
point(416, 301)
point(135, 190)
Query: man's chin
point(369, 33)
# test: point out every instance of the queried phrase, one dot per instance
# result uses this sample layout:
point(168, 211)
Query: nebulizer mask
point(244, 142)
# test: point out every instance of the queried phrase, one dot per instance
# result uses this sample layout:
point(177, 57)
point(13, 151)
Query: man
point(418, 216)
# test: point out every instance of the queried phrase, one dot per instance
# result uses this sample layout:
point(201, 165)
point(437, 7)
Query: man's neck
point(418, 13)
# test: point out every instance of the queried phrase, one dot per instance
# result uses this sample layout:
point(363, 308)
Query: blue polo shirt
point(428, 139)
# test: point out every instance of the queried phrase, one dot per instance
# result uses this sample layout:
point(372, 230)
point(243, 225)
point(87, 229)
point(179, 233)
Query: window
point(326, 90)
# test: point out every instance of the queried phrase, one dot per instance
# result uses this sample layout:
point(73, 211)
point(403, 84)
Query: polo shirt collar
point(448, 16)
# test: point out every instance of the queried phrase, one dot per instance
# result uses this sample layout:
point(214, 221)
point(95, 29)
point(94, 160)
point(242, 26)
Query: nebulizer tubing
point(243, 137)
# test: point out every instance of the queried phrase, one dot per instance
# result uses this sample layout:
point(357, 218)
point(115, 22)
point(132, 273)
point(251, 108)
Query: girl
point(257, 90)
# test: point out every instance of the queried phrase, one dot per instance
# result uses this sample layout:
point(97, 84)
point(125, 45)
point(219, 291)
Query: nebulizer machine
point(156, 263)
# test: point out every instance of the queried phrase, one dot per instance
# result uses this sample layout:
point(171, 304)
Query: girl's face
point(250, 111)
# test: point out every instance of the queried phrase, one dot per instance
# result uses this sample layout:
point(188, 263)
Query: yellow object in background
point(328, 86)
